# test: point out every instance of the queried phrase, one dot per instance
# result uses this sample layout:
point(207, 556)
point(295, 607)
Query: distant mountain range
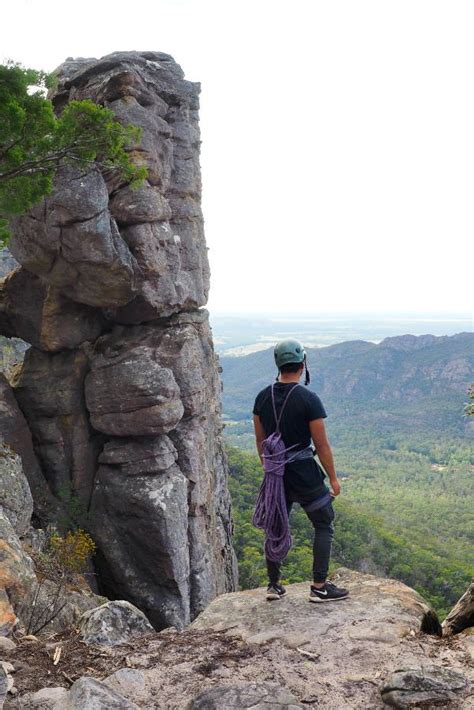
point(404, 383)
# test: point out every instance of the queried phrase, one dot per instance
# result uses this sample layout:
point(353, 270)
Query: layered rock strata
point(120, 387)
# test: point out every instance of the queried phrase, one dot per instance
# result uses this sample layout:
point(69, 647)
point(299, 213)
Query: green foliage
point(469, 406)
point(75, 513)
point(399, 516)
point(34, 142)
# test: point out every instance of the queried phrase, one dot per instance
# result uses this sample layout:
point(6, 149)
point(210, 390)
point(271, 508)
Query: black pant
point(322, 520)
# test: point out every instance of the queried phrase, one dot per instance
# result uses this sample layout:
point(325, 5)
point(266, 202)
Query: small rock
point(44, 699)
point(90, 694)
point(169, 630)
point(258, 696)
point(127, 681)
point(6, 644)
point(113, 623)
point(7, 666)
point(422, 686)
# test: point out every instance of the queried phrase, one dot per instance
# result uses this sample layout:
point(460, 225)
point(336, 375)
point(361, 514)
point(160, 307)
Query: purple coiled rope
point(271, 514)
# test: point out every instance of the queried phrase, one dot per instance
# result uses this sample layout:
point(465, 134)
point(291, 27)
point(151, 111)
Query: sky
point(338, 142)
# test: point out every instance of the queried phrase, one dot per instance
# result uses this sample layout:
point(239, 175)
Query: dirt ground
point(178, 666)
point(35, 668)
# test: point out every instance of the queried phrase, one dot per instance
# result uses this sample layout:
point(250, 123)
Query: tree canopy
point(34, 142)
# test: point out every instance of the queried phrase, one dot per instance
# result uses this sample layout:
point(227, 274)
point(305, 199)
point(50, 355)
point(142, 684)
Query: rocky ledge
point(366, 652)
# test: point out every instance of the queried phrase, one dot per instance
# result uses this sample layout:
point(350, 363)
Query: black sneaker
point(275, 591)
point(328, 593)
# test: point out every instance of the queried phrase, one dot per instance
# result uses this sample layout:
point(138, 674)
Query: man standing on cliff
point(298, 414)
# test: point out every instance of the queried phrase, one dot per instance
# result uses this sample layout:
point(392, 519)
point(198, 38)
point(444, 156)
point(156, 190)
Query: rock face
point(15, 495)
point(14, 432)
point(120, 387)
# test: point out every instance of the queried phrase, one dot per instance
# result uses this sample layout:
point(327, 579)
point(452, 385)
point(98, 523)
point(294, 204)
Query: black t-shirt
point(304, 480)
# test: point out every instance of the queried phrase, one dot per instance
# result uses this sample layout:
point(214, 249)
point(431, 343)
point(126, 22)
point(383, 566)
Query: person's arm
point(259, 434)
point(324, 452)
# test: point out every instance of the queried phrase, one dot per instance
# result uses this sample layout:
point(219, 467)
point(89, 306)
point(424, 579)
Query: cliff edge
point(244, 652)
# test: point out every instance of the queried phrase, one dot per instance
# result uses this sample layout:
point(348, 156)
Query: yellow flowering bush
point(72, 551)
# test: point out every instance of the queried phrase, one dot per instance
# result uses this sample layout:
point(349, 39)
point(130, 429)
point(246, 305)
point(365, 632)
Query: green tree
point(34, 142)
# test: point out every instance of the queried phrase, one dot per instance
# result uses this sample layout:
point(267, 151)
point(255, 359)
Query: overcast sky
point(338, 139)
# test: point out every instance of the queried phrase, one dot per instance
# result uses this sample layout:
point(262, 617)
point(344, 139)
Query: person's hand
point(335, 487)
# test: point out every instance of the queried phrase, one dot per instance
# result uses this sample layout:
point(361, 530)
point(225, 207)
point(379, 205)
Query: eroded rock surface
point(120, 387)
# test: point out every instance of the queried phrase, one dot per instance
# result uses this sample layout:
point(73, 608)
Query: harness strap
point(318, 503)
point(278, 418)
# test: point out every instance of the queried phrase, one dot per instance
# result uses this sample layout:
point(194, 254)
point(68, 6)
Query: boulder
point(257, 696)
point(113, 623)
point(422, 686)
point(90, 694)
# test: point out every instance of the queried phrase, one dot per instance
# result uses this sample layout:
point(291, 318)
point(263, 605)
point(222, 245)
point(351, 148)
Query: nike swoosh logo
point(320, 591)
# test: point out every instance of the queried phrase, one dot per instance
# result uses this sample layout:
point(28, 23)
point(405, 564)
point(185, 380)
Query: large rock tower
point(120, 387)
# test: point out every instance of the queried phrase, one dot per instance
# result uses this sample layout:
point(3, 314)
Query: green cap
point(287, 351)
